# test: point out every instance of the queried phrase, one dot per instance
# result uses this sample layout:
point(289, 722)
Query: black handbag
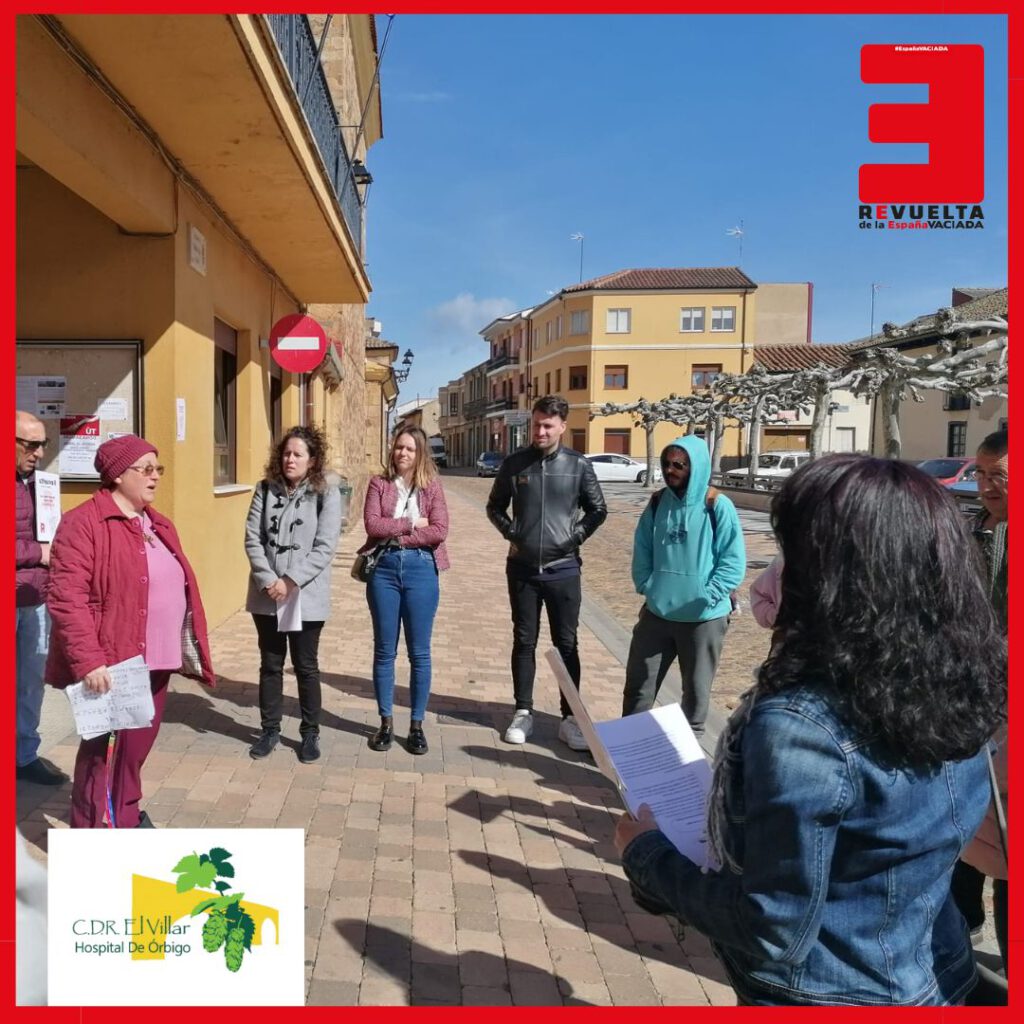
point(366, 563)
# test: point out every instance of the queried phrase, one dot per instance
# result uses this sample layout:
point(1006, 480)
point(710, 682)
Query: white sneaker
point(569, 733)
point(520, 727)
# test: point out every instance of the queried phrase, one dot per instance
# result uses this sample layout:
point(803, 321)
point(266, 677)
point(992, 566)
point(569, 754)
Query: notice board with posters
point(85, 392)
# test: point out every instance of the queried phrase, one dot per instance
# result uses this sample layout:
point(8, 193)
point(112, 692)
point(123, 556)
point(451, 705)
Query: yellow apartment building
point(183, 182)
point(507, 408)
point(650, 333)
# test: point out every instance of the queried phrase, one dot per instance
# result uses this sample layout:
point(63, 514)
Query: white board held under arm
point(47, 505)
point(653, 758)
point(128, 704)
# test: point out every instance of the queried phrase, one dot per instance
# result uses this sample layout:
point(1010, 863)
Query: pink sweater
point(766, 594)
point(379, 510)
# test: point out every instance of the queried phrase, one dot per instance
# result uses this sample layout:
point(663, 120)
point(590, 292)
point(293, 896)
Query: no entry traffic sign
point(298, 343)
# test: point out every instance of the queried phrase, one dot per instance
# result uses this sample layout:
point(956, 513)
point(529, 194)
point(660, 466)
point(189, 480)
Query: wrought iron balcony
point(499, 405)
point(475, 408)
point(297, 44)
point(498, 362)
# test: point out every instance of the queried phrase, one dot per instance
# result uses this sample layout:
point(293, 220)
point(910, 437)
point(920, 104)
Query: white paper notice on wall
point(179, 404)
point(196, 250)
point(113, 409)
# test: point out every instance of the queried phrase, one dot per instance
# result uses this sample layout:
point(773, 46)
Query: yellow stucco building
point(649, 333)
point(184, 182)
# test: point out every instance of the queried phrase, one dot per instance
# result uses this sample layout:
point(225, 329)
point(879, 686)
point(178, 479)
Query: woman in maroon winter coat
point(120, 586)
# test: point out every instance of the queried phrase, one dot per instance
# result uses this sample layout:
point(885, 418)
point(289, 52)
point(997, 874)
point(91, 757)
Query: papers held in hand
point(652, 758)
point(289, 613)
point(128, 704)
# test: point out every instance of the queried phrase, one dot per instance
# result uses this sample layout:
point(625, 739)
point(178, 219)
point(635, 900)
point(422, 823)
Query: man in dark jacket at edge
point(556, 505)
point(32, 632)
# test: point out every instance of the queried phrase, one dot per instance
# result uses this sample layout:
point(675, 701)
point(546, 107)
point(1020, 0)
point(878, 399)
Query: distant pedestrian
point(32, 623)
point(405, 514)
point(121, 586)
point(688, 557)
point(557, 504)
point(290, 535)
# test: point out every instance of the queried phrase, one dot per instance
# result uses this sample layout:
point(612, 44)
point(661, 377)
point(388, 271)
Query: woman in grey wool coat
point(290, 536)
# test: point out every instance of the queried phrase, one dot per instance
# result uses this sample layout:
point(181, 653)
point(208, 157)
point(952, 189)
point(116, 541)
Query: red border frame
point(1015, 83)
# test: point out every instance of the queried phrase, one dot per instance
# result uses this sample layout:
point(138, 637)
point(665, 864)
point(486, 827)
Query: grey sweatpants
point(656, 644)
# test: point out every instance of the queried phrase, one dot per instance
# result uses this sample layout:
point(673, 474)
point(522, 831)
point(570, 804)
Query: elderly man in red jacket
point(32, 633)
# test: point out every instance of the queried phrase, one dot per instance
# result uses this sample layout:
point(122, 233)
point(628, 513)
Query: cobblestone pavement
point(478, 874)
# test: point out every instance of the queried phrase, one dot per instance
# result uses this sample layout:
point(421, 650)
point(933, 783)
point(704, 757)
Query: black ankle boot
point(382, 738)
point(417, 742)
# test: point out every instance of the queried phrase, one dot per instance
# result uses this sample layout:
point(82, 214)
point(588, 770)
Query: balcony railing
point(498, 405)
point(295, 40)
point(475, 409)
point(498, 362)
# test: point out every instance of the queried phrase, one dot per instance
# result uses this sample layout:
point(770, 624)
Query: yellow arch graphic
point(160, 902)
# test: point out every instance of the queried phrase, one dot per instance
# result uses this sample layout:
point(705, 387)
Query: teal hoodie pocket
point(679, 596)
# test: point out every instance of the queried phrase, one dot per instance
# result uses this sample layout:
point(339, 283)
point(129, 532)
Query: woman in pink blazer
point(406, 512)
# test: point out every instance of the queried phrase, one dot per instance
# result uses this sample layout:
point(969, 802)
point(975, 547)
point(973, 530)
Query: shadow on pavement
point(549, 886)
point(435, 978)
point(568, 772)
point(595, 825)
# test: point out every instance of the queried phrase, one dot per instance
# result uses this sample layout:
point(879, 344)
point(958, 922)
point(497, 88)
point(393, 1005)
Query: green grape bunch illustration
point(227, 924)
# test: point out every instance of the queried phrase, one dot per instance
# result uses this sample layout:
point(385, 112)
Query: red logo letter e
point(952, 123)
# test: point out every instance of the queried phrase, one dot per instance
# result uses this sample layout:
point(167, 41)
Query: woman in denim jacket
point(853, 773)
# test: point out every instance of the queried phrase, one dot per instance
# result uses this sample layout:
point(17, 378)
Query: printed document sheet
point(289, 613)
point(653, 758)
point(128, 704)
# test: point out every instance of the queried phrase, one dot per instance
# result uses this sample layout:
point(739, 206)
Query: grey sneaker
point(520, 727)
point(569, 733)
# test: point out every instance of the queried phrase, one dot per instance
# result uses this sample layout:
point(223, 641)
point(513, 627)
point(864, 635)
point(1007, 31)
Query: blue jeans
point(33, 641)
point(403, 591)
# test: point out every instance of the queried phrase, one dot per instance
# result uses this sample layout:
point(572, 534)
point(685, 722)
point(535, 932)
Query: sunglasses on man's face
point(31, 446)
point(672, 464)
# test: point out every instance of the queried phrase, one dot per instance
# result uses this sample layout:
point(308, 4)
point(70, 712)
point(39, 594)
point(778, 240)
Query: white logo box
point(120, 934)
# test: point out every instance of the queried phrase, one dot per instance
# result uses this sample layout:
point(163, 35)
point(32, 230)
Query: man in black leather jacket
point(556, 505)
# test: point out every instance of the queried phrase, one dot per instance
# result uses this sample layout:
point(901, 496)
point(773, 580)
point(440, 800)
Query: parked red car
point(951, 470)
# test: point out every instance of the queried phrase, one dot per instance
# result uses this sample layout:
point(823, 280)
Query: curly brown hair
point(316, 444)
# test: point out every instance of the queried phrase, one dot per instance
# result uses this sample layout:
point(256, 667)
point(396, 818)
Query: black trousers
point(274, 646)
point(562, 600)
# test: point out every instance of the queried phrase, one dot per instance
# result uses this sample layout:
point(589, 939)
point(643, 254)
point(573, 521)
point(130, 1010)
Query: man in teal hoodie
point(688, 557)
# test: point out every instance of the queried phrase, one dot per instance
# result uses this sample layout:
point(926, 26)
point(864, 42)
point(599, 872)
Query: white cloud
point(466, 315)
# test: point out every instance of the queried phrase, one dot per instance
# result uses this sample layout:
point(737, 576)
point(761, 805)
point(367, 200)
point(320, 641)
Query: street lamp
point(403, 374)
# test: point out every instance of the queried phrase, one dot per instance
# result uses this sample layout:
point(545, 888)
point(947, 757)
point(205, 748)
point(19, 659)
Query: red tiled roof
point(800, 356)
point(666, 278)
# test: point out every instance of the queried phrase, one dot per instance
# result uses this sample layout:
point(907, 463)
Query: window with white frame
point(548, 332)
point(558, 327)
point(618, 321)
point(723, 318)
point(580, 322)
point(691, 318)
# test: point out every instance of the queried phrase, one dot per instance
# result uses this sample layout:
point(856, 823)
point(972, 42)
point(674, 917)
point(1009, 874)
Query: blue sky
point(651, 135)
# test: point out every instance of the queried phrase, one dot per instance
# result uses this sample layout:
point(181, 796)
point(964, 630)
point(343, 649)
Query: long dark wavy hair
point(883, 603)
point(316, 445)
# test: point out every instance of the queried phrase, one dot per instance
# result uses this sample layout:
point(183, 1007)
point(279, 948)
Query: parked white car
point(610, 467)
point(772, 469)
